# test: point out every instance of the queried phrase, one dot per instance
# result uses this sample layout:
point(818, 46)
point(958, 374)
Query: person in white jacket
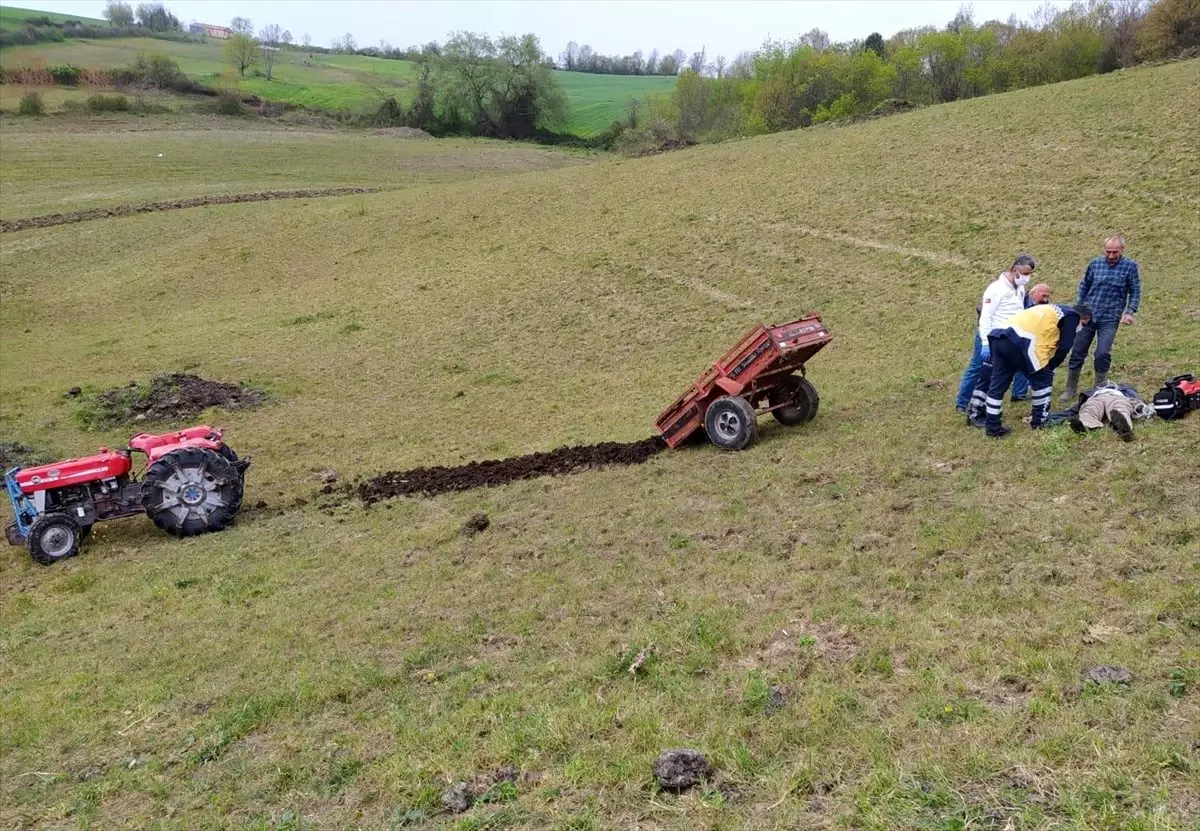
point(1003, 298)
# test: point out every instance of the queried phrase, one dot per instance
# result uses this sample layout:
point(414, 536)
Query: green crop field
point(879, 620)
point(596, 101)
point(337, 82)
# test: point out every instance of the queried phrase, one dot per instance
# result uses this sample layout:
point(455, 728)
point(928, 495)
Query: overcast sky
point(722, 27)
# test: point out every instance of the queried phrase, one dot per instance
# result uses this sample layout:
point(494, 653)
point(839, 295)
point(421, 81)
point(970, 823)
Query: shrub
point(31, 104)
point(34, 75)
point(108, 103)
point(157, 71)
point(65, 74)
point(229, 104)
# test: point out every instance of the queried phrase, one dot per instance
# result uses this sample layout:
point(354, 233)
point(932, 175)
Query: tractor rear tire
point(191, 491)
point(799, 399)
point(227, 453)
point(730, 423)
point(53, 537)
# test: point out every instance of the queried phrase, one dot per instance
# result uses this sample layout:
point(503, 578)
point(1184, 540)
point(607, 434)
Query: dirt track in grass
point(564, 460)
point(50, 220)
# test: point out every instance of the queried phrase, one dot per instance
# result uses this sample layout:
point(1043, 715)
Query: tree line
point(787, 85)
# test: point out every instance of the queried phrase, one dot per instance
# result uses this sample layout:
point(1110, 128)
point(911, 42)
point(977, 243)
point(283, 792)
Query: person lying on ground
point(1105, 405)
point(1003, 298)
point(1035, 341)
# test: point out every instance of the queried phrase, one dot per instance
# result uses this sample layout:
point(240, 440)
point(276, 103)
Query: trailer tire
point(799, 399)
point(191, 491)
point(730, 423)
point(53, 537)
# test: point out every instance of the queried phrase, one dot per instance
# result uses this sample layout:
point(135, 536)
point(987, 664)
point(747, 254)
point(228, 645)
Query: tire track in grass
point(942, 258)
point(51, 220)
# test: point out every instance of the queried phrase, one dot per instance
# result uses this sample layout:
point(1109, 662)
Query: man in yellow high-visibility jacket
point(1033, 341)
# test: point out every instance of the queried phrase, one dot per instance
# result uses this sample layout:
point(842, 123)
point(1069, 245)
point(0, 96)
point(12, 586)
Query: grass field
point(14, 18)
point(144, 160)
point(926, 599)
point(338, 82)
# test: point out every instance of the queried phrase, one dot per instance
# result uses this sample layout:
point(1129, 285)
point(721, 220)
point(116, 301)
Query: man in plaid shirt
point(1112, 288)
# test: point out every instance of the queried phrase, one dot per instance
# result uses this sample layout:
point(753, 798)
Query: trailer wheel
point(191, 491)
point(53, 537)
point(799, 399)
point(730, 423)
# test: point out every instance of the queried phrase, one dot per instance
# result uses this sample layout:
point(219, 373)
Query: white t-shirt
point(1000, 302)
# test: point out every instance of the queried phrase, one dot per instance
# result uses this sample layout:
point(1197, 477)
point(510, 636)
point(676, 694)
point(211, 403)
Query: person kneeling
point(1034, 341)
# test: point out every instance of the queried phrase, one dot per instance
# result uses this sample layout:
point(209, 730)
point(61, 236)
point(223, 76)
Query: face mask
point(1022, 280)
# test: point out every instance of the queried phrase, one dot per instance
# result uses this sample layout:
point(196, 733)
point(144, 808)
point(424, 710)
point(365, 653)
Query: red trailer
point(764, 373)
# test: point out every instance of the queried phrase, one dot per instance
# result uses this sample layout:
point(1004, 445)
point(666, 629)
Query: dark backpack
point(1177, 398)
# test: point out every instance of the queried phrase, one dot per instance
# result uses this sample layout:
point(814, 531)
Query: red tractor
point(192, 484)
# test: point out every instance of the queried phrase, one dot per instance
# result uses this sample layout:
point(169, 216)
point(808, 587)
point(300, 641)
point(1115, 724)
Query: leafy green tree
point(499, 88)
point(242, 52)
point(874, 43)
point(1170, 28)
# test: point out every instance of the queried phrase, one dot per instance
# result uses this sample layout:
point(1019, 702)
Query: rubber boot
point(1121, 424)
point(1101, 378)
point(1072, 391)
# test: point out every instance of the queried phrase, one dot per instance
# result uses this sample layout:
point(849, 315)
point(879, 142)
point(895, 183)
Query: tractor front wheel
point(730, 423)
point(53, 537)
point(191, 491)
point(796, 401)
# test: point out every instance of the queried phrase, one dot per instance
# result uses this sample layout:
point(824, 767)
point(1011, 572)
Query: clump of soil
point(564, 460)
point(678, 770)
point(170, 397)
point(458, 798)
point(476, 523)
point(15, 454)
point(1105, 674)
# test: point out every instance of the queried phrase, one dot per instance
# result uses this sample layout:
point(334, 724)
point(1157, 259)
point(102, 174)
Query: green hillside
point(337, 82)
point(14, 18)
point(880, 620)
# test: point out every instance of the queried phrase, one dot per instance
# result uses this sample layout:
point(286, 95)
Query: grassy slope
point(14, 18)
point(335, 82)
point(202, 156)
point(339, 669)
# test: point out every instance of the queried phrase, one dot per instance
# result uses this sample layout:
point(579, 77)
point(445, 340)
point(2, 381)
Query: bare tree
point(698, 62)
point(349, 43)
point(570, 56)
point(816, 38)
point(242, 26)
point(286, 38)
point(719, 66)
point(652, 62)
point(269, 39)
point(306, 39)
point(118, 13)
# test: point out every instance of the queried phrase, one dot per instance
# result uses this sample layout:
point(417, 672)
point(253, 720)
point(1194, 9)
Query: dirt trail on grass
point(435, 480)
point(50, 220)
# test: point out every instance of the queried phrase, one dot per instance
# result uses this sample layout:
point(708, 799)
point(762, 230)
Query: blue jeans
point(1020, 387)
point(1107, 331)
